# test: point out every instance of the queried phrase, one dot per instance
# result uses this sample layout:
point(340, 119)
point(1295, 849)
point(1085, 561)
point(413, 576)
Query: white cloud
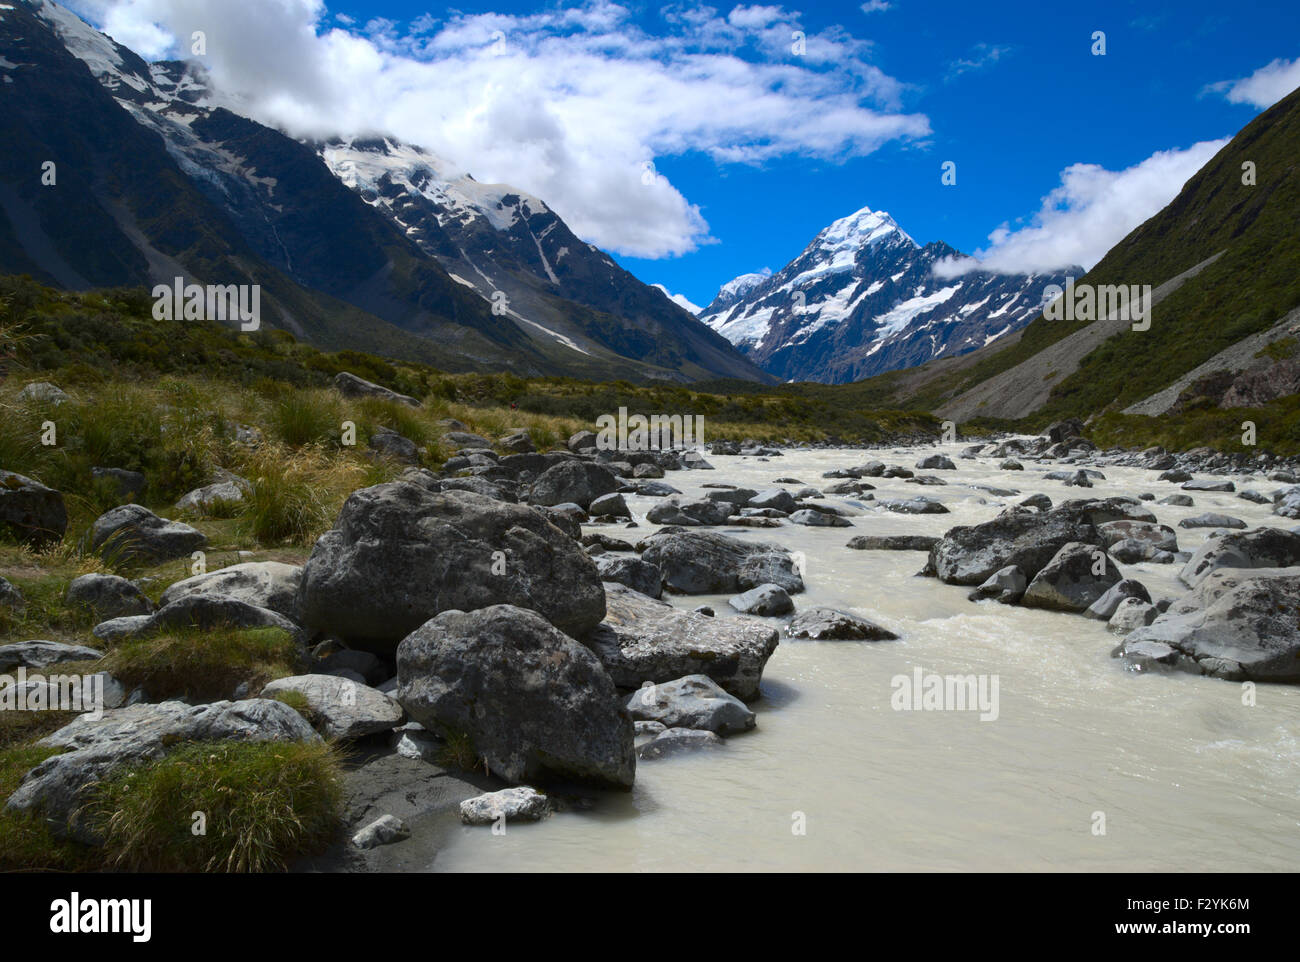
point(1265, 87)
point(679, 299)
point(569, 104)
point(1089, 213)
point(981, 55)
point(876, 6)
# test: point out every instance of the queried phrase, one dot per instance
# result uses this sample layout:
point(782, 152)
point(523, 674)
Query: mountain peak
point(862, 228)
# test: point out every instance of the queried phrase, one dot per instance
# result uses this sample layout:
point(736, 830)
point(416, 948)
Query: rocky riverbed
point(1132, 616)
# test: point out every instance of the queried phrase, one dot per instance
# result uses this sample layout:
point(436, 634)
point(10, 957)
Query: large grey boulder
point(29, 511)
point(695, 701)
point(400, 554)
point(134, 534)
point(677, 741)
point(1006, 586)
point(819, 519)
point(690, 513)
point(266, 584)
point(39, 655)
point(530, 699)
point(936, 462)
point(1212, 520)
point(1104, 608)
point(777, 498)
point(699, 562)
point(644, 640)
point(387, 443)
point(344, 709)
point(892, 542)
point(1130, 615)
point(1158, 536)
point(127, 736)
point(1077, 576)
point(969, 555)
point(106, 597)
point(1261, 548)
point(1234, 624)
point(211, 496)
point(42, 392)
point(766, 600)
point(827, 624)
point(578, 482)
point(11, 597)
point(917, 505)
point(206, 612)
point(351, 386)
point(636, 573)
point(1287, 502)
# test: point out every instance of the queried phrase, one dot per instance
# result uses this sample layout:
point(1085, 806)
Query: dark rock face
point(643, 640)
point(533, 701)
point(1255, 388)
point(936, 462)
point(400, 554)
point(133, 533)
point(696, 563)
point(1234, 624)
point(31, 512)
point(575, 482)
point(827, 624)
point(1076, 577)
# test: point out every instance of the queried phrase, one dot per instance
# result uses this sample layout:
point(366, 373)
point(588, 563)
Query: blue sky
point(755, 147)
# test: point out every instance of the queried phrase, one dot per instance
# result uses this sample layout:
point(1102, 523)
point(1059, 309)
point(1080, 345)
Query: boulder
point(1104, 608)
point(522, 804)
point(968, 555)
point(351, 386)
point(126, 484)
point(636, 573)
point(1130, 615)
point(1160, 537)
point(11, 597)
point(212, 496)
point(384, 830)
point(695, 701)
point(138, 733)
point(733, 496)
point(386, 443)
point(400, 554)
point(39, 655)
point(204, 612)
point(610, 505)
point(578, 482)
point(42, 392)
point(343, 709)
point(675, 741)
point(1234, 624)
point(1006, 586)
point(1261, 548)
point(765, 600)
point(689, 513)
point(1177, 500)
point(29, 511)
point(1211, 520)
point(892, 542)
point(644, 640)
point(917, 505)
point(530, 699)
point(581, 440)
point(1076, 577)
point(106, 597)
point(827, 624)
point(819, 519)
point(264, 584)
point(696, 563)
point(936, 462)
point(777, 498)
point(1209, 486)
point(518, 442)
point(134, 534)
point(465, 441)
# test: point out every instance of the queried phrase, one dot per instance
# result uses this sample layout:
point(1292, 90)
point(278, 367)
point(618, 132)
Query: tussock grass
point(265, 804)
point(203, 665)
point(296, 495)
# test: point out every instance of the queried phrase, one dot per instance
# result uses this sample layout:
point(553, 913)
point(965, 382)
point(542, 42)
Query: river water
point(1177, 770)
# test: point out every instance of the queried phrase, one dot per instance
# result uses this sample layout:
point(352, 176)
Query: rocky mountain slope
point(862, 299)
point(158, 178)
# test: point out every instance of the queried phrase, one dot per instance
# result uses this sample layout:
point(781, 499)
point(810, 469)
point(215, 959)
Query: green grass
point(26, 843)
point(203, 665)
point(265, 805)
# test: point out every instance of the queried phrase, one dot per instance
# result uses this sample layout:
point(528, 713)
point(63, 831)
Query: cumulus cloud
point(1088, 214)
point(573, 105)
point(1265, 87)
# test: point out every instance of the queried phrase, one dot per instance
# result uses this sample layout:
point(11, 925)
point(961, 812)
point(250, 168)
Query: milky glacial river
point(1188, 778)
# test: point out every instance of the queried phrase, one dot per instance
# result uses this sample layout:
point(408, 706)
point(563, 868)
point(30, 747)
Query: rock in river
point(696, 563)
point(695, 701)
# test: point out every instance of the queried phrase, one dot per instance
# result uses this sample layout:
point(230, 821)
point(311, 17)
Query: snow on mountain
point(679, 299)
point(861, 299)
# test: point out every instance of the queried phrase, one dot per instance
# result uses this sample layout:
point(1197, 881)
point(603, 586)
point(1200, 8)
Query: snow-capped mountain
point(862, 299)
point(356, 244)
